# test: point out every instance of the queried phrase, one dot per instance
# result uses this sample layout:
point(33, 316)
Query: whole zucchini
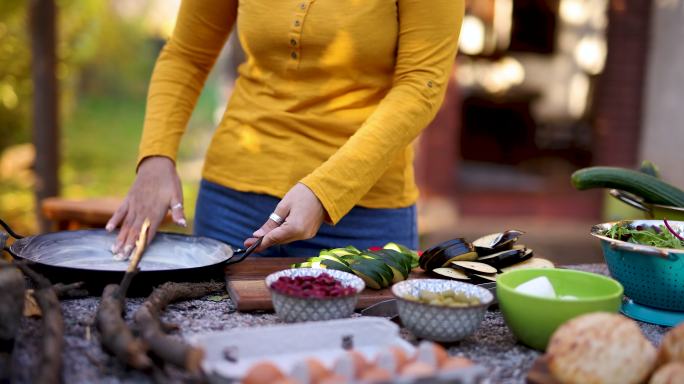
point(651, 189)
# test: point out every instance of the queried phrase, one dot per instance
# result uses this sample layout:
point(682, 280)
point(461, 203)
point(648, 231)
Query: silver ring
point(177, 206)
point(275, 217)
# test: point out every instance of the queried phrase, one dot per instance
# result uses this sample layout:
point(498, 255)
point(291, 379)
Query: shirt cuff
point(333, 214)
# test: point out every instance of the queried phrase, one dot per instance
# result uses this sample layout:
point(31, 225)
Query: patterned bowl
point(296, 309)
point(437, 322)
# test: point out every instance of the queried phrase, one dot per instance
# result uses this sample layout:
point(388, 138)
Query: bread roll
point(670, 373)
point(672, 346)
point(600, 348)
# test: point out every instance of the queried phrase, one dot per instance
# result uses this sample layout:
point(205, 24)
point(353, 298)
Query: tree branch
point(167, 348)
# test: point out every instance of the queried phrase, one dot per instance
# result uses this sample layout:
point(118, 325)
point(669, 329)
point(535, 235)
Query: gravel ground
point(493, 345)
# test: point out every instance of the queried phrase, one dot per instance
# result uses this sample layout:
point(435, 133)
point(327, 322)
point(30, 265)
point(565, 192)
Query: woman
point(314, 149)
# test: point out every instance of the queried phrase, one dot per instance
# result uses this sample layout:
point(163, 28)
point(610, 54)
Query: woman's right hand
point(157, 188)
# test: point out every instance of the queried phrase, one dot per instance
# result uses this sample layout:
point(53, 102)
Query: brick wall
point(438, 149)
point(618, 104)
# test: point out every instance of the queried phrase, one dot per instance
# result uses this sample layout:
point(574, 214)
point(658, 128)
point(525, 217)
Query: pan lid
point(90, 250)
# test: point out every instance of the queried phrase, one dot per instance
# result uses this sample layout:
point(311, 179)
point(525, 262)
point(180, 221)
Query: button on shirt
point(331, 95)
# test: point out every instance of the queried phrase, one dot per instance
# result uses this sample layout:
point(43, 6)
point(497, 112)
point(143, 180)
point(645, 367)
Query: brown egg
point(263, 373)
point(286, 380)
point(400, 356)
point(350, 365)
point(310, 371)
point(335, 379)
point(417, 370)
point(432, 354)
point(392, 359)
point(455, 363)
point(386, 360)
point(376, 374)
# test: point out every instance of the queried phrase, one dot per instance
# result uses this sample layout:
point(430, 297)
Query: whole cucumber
point(652, 189)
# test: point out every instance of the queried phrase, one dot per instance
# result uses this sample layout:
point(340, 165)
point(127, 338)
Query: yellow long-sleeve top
point(332, 94)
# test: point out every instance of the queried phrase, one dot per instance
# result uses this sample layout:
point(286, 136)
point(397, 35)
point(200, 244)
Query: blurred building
point(663, 133)
point(544, 87)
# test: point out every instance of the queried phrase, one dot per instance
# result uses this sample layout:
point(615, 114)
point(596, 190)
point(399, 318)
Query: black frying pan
point(84, 255)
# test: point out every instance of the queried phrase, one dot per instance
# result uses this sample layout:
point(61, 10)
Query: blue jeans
point(232, 216)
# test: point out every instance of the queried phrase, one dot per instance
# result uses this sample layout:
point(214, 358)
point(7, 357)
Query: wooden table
point(69, 214)
point(72, 214)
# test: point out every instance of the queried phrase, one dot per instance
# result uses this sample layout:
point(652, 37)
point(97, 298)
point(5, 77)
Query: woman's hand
point(157, 188)
point(303, 214)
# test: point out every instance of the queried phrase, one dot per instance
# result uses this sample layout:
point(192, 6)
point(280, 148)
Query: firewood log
point(115, 335)
point(12, 288)
point(167, 348)
point(49, 369)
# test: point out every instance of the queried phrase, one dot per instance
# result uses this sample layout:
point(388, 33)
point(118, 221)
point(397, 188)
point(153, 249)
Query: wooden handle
point(140, 245)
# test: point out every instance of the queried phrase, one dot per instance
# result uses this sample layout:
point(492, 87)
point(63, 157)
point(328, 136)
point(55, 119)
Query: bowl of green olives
point(441, 310)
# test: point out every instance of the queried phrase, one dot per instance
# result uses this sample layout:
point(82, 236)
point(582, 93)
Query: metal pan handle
point(4, 236)
point(243, 253)
point(248, 251)
point(10, 231)
point(630, 199)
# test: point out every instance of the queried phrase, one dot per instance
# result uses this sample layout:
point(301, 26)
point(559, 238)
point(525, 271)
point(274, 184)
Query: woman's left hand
point(303, 214)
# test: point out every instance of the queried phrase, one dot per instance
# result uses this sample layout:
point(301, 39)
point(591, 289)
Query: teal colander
point(651, 276)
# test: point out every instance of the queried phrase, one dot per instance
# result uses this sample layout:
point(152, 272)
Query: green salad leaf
point(656, 236)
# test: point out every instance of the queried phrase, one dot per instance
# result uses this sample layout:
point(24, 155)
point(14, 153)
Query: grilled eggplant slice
point(474, 267)
point(506, 258)
point(456, 252)
point(484, 277)
point(450, 273)
point(534, 262)
point(422, 262)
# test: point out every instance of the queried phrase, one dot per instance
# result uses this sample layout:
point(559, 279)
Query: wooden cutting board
point(246, 287)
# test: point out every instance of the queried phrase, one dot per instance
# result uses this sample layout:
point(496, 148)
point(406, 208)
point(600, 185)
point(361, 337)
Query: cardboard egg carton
point(230, 354)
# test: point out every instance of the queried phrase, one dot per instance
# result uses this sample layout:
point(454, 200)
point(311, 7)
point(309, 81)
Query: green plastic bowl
point(534, 319)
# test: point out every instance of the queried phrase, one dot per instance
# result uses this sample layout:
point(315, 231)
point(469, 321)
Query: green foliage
point(15, 82)
point(104, 65)
point(94, 48)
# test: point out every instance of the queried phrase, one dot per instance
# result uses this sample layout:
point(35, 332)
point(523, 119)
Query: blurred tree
point(43, 30)
point(15, 74)
point(94, 47)
point(104, 60)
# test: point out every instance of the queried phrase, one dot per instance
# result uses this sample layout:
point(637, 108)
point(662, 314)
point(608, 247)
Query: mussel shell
point(497, 242)
point(490, 251)
point(431, 252)
point(488, 241)
point(428, 253)
point(506, 258)
point(445, 244)
point(445, 255)
point(511, 234)
point(468, 256)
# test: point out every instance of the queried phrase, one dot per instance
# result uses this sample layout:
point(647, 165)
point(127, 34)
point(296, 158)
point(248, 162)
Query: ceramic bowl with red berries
point(306, 294)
